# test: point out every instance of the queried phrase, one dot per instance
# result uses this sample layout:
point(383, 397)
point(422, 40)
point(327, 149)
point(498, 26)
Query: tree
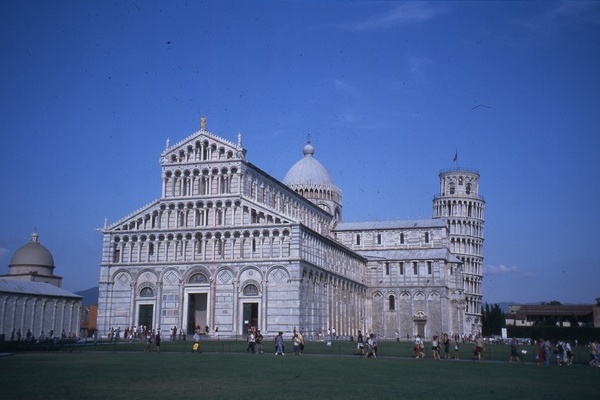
point(492, 320)
point(552, 303)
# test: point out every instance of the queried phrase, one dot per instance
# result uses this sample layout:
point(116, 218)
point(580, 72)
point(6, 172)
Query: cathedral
point(228, 246)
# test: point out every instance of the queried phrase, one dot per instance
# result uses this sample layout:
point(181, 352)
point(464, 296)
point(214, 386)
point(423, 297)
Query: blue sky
point(388, 91)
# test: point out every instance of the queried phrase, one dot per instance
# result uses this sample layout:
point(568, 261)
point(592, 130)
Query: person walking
point(435, 347)
point(594, 354)
point(252, 342)
point(456, 355)
point(359, 344)
point(259, 342)
point(446, 342)
point(157, 341)
point(279, 345)
point(514, 351)
point(478, 355)
point(546, 347)
point(419, 347)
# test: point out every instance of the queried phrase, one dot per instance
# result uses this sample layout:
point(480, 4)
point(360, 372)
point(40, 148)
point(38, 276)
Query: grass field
point(225, 371)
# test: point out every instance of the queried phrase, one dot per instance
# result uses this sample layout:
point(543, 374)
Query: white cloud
point(346, 87)
point(418, 64)
point(405, 13)
point(498, 269)
point(565, 13)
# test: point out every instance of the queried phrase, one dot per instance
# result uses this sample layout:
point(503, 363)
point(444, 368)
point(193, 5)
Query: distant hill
point(90, 296)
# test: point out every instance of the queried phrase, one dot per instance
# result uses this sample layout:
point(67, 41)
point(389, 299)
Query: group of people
point(255, 341)
point(369, 347)
point(436, 343)
point(17, 336)
point(563, 352)
point(561, 349)
point(153, 337)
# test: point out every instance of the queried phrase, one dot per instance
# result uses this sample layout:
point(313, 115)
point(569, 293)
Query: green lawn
point(225, 371)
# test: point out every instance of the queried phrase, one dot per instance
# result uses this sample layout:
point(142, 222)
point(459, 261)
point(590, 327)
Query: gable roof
point(34, 288)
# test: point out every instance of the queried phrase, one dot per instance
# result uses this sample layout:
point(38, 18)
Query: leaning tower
point(460, 203)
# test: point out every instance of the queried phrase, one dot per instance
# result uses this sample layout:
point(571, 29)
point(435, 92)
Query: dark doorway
point(421, 327)
point(250, 316)
point(145, 316)
point(197, 315)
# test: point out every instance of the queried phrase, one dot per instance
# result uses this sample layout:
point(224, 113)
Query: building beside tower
point(230, 247)
point(31, 299)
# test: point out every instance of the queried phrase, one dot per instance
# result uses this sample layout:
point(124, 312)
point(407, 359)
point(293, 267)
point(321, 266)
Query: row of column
point(202, 249)
point(39, 314)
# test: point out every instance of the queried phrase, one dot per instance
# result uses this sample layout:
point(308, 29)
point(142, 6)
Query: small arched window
point(198, 278)
point(250, 290)
point(392, 303)
point(147, 292)
point(452, 188)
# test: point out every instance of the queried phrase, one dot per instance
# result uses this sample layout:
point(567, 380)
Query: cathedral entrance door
point(250, 316)
point(421, 328)
point(197, 312)
point(420, 319)
point(145, 315)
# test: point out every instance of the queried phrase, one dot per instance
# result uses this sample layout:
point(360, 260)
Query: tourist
point(157, 341)
point(478, 354)
point(279, 347)
point(259, 342)
point(446, 342)
point(559, 353)
point(301, 338)
point(359, 344)
point(546, 347)
point(251, 342)
point(370, 348)
point(419, 347)
point(375, 344)
point(456, 355)
point(594, 362)
point(569, 353)
point(514, 351)
point(148, 342)
point(296, 340)
point(435, 347)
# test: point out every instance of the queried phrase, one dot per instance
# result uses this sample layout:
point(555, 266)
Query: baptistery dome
point(33, 262)
point(32, 254)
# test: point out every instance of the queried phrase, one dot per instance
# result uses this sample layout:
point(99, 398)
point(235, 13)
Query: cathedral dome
point(311, 180)
point(308, 171)
point(32, 255)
